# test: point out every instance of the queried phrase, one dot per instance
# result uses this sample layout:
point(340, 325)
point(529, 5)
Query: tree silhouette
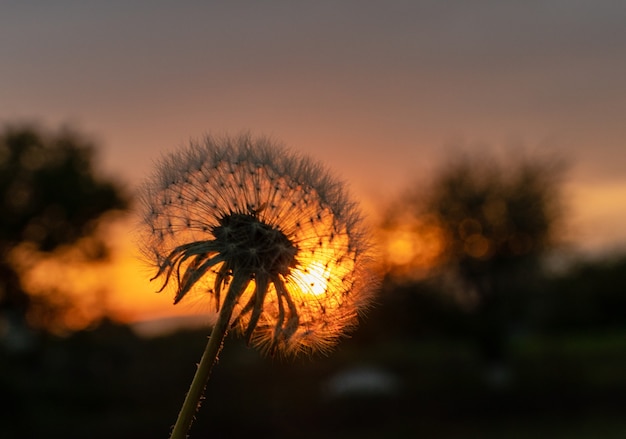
point(496, 220)
point(50, 196)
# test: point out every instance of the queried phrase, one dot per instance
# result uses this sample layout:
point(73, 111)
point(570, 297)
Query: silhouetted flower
point(246, 217)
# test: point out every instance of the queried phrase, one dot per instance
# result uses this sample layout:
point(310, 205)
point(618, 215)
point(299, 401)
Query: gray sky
point(380, 91)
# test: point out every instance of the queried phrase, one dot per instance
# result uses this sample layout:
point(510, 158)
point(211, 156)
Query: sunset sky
point(382, 92)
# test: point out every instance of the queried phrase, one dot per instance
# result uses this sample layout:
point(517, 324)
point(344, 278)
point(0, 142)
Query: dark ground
point(109, 383)
point(412, 369)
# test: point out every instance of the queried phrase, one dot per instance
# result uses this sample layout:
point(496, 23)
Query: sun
point(312, 277)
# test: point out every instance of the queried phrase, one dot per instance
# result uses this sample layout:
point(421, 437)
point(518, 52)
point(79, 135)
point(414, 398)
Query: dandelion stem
point(209, 357)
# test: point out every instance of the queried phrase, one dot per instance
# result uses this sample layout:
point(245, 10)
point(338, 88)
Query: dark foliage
point(590, 296)
point(497, 221)
point(50, 196)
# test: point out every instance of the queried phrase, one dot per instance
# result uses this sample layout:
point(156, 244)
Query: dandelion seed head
point(244, 206)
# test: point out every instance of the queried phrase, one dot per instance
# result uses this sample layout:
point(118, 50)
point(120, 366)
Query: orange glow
point(121, 288)
point(412, 247)
point(118, 288)
point(312, 277)
point(598, 212)
point(320, 277)
point(477, 246)
point(71, 288)
point(402, 247)
point(314, 283)
point(132, 296)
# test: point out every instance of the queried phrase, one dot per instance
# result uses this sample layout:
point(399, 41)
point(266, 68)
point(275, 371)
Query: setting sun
point(312, 278)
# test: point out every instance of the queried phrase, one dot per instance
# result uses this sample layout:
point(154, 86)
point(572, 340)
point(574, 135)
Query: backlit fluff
point(248, 213)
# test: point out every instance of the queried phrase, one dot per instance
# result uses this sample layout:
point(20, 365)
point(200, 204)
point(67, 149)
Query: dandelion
point(269, 237)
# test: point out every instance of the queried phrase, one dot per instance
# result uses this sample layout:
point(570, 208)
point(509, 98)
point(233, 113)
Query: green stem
point(209, 357)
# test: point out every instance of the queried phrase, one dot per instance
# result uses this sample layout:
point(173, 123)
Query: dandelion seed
point(251, 215)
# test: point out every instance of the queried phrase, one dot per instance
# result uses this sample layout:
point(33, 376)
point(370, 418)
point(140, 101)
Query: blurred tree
point(50, 196)
point(495, 220)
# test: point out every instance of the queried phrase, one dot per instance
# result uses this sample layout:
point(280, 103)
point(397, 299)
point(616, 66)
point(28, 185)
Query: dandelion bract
point(246, 218)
